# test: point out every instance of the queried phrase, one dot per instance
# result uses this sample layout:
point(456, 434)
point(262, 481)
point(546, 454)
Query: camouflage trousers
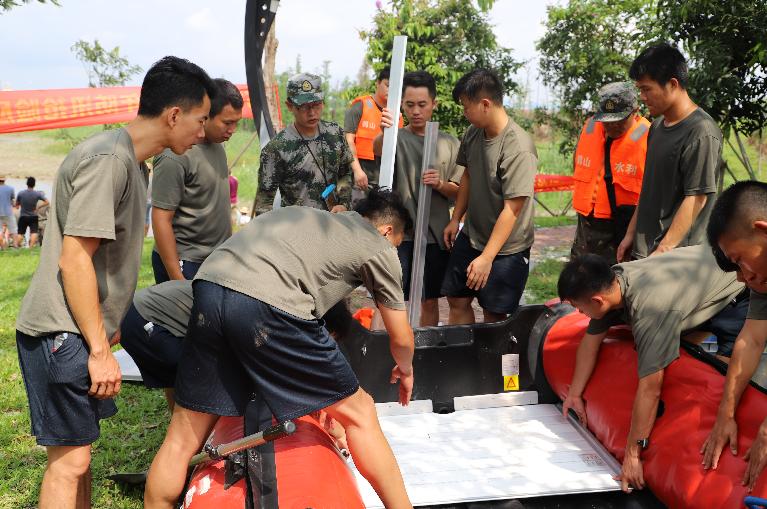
point(596, 236)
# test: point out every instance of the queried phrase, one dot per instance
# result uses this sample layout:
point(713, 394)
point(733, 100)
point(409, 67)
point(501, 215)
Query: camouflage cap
point(616, 101)
point(304, 88)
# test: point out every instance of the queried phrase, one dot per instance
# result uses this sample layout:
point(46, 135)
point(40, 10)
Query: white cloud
point(200, 20)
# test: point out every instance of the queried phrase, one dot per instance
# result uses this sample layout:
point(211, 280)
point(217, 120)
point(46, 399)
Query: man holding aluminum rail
point(419, 92)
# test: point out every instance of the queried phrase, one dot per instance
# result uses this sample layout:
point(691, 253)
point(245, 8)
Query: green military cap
point(616, 101)
point(304, 88)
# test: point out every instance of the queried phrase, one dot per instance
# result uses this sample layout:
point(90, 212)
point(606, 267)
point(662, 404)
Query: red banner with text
point(31, 110)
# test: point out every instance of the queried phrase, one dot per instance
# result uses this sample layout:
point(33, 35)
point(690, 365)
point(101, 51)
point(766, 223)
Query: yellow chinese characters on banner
point(31, 110)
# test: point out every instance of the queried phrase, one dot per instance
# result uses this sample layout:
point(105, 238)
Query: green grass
point(128, 440)
point(542, 283)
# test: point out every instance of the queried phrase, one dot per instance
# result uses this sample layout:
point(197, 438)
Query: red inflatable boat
point(306, 469)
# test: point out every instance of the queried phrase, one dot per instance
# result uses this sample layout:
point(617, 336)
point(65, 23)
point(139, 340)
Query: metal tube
point(396, 74)
point(213, 453)
point(421, 227)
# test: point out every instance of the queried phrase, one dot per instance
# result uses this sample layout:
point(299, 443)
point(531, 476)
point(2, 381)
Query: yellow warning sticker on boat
point(511, 383)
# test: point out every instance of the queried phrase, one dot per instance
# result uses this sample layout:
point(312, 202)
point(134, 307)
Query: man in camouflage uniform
point(309, 161)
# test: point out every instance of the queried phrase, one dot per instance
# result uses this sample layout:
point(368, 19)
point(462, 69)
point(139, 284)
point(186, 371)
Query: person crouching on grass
point(256, 327)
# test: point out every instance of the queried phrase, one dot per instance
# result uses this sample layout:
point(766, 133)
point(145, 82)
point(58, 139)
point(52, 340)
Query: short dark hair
point(417, 79)
point(584, 276)
point(383, 74)
point(479, 84)
point(660, 63)
point(227, 93)
point(735, 210)
point(173, 81)
point(383, 206)
point(31, 181)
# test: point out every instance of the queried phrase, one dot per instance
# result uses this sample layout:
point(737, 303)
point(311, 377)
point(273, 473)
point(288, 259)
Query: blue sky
point(36, 39)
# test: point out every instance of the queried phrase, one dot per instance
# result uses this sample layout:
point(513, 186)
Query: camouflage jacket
point(287, 165)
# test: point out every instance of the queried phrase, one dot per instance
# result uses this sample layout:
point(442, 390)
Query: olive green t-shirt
point(757, 306)
point(195, 186)
point(499, 169)
point(407, 178)
point(665, 295)
point(168, 304)
point(682, 160)
point(304, 261)
point(99, 192)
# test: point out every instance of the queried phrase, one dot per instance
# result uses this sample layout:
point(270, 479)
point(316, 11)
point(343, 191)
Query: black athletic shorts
point(188, 269)
point(55, 372)
point(155, 350)
point(237, 346)
point(434, 268)
point(30, 222)
point(505, 284)
point(727, 323)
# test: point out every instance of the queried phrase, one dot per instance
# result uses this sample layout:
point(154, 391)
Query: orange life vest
point(368, 128)
point(627, 159)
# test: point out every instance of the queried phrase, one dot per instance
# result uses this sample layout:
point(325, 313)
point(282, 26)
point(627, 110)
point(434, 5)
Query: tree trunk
point(744, 154)
point(270, 56)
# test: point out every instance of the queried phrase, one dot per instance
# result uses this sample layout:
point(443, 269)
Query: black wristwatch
point(643, 443)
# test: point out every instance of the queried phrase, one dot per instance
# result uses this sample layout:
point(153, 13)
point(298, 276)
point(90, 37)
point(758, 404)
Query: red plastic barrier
point(691, 394)
point(550, 183)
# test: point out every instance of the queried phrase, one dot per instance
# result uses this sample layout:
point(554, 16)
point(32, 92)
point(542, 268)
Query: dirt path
point(23, 155)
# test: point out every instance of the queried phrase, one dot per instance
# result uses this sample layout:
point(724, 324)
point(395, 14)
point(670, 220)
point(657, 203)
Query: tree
point(726, 44)
point(106, 68)
point(587, 44)
point(446, 38)
point(7, 5)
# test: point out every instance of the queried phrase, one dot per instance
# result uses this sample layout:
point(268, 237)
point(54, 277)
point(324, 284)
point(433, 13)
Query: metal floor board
point(128, 368)
point(493, 454)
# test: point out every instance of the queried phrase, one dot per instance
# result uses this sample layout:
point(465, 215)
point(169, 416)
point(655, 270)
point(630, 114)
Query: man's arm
point(402, 347)
point(683, 220)
point(81, 292)
point(585, 360)
point(165, 240)
point(479, 269)
point(461, 206)
point(745, 359)
point(623, 253)
point(642, 420)
point(268, 181)
point(360, 177)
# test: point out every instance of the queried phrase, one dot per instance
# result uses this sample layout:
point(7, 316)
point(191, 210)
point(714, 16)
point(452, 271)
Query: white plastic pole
point(421, 227)
point(396, 74)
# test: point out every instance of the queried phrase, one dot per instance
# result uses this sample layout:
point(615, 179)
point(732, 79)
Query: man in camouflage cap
point(309, 161)
point(608, 169)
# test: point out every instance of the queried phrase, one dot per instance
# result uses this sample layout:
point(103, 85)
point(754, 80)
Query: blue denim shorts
point(237, 346)
point(156, 351)
point(55, 372)
point(507, 280)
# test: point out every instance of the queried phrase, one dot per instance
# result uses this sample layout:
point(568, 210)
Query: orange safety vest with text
point(627, 160)
point(368, 128)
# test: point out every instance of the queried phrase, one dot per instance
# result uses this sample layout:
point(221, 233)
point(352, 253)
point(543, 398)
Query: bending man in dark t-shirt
point(683, 166)
point(738, 232)
point(255, 327)
point(660, 298)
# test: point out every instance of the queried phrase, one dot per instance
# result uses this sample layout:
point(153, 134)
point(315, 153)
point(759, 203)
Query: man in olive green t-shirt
point(88, 271)
point(190, 194)
point(683, 168)
point(660, 298)
point(738, 231)
point(258, 301)
point(418, 103)
point(491, 255)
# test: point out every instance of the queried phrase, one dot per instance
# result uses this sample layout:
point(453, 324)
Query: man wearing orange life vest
point(362, 123)
point(608, 168)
